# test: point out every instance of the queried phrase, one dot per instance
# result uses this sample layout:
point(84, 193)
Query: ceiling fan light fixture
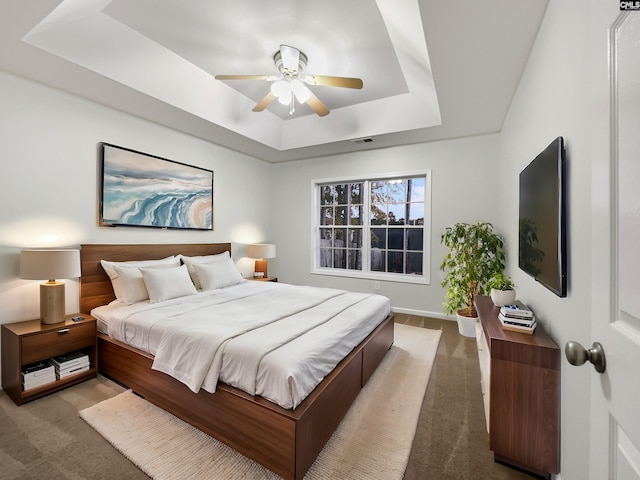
point(282, 90)
point(301, 92)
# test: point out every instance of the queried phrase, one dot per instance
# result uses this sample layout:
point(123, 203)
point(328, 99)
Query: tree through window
point(373, 226)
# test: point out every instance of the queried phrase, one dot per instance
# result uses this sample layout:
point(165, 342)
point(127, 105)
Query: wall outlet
point(376, 286)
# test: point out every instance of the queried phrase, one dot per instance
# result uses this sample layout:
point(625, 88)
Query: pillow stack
point(164, 279)
point(212, 271)
point(127, 282)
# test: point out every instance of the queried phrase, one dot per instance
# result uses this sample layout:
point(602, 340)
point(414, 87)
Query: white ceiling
point(432, 69)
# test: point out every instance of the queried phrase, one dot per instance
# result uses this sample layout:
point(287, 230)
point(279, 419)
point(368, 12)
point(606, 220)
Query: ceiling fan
point(289, 85)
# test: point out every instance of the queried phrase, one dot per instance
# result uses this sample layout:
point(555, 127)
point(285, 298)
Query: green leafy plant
point(500, 281)
point(476, 252)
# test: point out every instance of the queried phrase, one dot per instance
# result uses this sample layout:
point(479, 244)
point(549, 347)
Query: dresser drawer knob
point(63, 331)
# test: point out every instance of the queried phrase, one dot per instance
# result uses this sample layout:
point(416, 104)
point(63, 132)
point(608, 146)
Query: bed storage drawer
point(376, 348)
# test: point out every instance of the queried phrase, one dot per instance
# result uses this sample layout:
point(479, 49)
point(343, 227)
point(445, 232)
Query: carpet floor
point(372, 442)
point(46, 438)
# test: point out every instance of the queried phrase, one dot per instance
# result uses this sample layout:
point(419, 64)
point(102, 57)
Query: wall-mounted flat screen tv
point(542, 251)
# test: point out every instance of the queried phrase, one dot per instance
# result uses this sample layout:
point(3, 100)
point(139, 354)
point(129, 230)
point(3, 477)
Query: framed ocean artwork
point(142, 190)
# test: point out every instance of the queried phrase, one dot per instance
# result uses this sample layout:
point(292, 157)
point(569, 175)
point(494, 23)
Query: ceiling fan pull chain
point(292, 107)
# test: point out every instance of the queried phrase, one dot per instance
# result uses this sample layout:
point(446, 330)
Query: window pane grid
point(390, 240)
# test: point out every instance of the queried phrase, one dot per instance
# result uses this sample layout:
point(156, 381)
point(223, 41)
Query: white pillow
point(167, 283)
point(132, 284)
point(219, 274)
point(115, 281)
point(191, 261)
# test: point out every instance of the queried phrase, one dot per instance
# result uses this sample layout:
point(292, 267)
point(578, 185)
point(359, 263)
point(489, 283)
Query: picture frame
point(142, 190)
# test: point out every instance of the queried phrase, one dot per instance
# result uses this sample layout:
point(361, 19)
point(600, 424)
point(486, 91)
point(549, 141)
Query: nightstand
point(28, 342)
point(263, 279)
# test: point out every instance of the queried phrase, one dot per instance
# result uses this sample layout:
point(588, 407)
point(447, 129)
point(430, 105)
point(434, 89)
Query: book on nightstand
point(72, 370)
point(37, 374)
point(70, 364)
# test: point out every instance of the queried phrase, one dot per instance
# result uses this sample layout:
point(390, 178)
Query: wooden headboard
point(95, 285)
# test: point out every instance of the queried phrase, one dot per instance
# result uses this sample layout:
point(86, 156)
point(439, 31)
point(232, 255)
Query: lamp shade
point(49, 264)
point(261, 250)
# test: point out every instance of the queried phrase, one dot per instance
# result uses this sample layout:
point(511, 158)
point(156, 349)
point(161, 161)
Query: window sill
point(383, 277)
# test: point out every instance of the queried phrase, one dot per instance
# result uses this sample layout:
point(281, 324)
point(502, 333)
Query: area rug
point(372, 442)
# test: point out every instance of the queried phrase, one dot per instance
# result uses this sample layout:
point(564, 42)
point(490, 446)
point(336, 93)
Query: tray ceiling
point(431, 69)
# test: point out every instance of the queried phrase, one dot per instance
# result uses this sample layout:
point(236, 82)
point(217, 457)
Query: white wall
point(464, 188)
point(49, 184)
point(553, 99)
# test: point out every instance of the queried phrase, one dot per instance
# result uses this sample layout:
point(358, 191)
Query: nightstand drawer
point(65, 339)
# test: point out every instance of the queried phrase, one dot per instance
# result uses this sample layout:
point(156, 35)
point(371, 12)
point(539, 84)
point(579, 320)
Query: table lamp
point(50, 264)
point(261, 251)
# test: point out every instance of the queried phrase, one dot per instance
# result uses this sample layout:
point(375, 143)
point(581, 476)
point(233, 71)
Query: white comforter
point(269, 339)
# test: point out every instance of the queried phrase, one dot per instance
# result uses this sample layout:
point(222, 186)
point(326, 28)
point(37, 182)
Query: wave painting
point(142, 190)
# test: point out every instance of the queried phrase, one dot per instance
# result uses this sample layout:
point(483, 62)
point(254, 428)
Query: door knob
point(577, 355)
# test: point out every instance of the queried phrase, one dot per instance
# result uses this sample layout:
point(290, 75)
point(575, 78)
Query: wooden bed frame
point(284, 441)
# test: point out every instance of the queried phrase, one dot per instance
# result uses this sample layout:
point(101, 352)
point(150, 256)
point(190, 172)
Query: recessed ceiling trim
point(469, 41)
point(120, 53)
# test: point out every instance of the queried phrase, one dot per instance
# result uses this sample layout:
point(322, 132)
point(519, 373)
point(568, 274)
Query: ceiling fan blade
point(345, 82)
point(264, 103)
point(241, 77)
point(316, 105)
point(290, 58)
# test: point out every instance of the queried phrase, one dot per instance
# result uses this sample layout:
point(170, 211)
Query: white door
point(615, 395)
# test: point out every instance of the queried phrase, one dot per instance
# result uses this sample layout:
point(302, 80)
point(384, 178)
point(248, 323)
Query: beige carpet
point(372, 442)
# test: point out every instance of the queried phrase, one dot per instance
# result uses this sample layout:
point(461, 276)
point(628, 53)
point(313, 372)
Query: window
point(374, 228)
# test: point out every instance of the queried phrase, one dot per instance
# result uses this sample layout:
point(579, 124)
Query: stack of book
point(517, 319)
point(37, 374)
point(70, 364)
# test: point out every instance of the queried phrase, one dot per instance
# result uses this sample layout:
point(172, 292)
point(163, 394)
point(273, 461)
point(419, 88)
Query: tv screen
point(542, 251)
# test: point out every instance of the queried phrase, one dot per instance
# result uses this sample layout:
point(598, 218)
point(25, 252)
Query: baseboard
point(422, 313)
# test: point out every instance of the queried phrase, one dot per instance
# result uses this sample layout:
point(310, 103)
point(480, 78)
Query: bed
point(284, 440)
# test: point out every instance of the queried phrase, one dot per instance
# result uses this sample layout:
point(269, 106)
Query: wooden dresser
point(522, 395)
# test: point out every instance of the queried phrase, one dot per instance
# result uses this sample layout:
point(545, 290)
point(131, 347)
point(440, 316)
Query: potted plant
point(475, 254)
point(502, 289)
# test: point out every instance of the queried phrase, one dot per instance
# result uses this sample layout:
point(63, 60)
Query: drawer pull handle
point(63, 331)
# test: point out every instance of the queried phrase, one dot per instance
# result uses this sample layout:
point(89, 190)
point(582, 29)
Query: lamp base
point(52, 308)
point(260, 266)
